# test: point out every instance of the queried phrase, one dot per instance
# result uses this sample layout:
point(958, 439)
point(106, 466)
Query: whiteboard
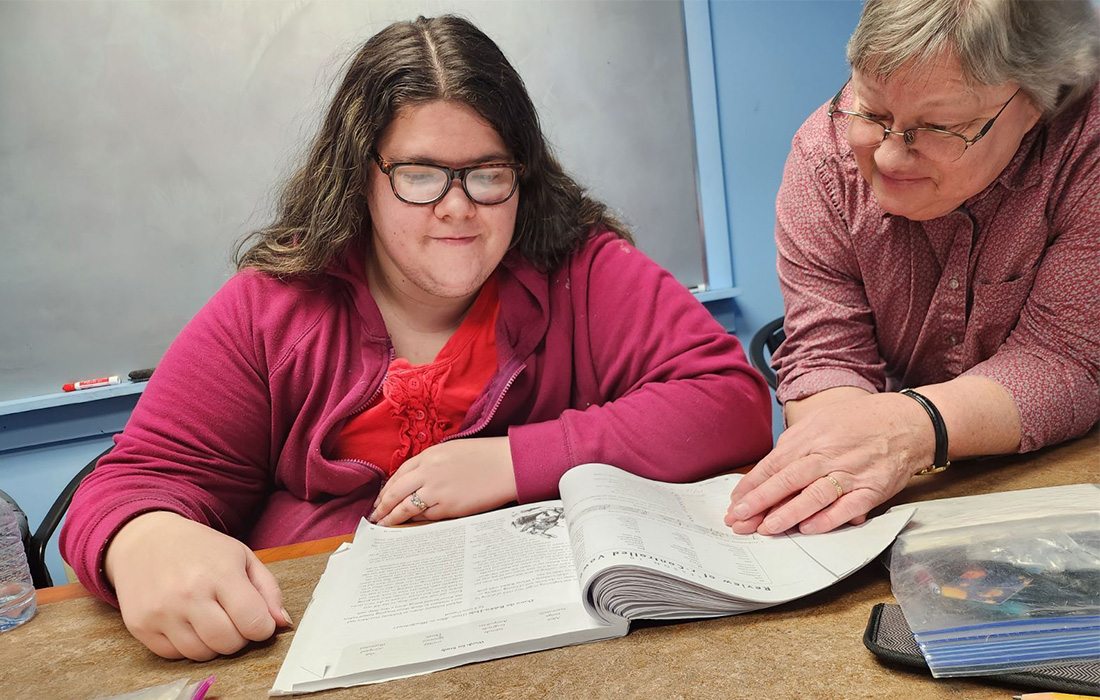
point(140, 140)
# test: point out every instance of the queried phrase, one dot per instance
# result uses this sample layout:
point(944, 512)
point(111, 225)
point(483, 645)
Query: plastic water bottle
point(17, 601)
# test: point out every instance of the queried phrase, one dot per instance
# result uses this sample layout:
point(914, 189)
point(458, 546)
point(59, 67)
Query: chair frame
point(769, 337)
point(36, 546)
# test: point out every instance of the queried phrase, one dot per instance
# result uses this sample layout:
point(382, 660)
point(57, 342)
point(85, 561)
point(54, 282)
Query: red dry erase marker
point(90, 383)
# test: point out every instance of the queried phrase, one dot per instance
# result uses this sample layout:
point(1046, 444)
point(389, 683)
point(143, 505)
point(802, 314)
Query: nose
point(892, 153)
point(455, 204)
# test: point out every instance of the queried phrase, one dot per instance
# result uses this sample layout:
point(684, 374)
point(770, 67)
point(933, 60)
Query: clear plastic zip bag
point(179, 689)
point(1001, 597)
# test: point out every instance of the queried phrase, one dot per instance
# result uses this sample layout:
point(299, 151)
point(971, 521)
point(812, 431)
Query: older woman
point(438, 322)
point(938, 231)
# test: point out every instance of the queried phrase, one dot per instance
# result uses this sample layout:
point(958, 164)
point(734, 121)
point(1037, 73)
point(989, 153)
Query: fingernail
point(373, 517)
point(740, 511)
point(768, 527)
point(286, 617)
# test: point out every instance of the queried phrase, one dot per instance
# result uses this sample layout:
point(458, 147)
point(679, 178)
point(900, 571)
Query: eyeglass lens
point(421, 184)
point(862, 132)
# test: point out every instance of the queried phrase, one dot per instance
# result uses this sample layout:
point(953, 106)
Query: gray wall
point(140, 140)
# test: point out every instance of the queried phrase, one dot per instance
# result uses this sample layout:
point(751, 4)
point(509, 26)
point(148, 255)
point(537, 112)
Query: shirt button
point(952, 339)
point(420, 414)
point(954, 284)
point(414, 383)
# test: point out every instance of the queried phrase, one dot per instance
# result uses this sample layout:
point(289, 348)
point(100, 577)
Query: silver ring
point(420, 505)
point(836, 485)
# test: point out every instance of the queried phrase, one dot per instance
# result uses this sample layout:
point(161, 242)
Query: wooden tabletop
point(811, 648)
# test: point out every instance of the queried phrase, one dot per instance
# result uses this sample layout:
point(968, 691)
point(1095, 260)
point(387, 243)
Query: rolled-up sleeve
point(828, 321)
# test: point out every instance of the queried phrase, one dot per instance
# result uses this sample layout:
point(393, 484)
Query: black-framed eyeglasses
point(937, 144)
point(425, 183)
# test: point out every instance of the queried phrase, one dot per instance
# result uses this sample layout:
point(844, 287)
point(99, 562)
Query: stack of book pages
point(617, 547)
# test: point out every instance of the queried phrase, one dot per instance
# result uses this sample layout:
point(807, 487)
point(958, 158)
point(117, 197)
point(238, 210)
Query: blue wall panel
point(775, 62)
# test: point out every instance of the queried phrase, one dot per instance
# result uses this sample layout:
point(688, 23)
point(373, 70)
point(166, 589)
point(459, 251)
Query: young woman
point(438, 323)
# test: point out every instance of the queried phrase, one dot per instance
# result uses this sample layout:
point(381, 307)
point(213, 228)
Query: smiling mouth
point(904, 180)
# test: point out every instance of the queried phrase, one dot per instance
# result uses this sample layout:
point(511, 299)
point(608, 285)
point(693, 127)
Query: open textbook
point(399, 602)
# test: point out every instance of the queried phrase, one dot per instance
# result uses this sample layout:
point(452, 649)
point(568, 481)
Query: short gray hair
point(1050, 48)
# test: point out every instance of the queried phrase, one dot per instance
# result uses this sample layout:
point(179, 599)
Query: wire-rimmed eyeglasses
point(937, 144)
point(426, 183)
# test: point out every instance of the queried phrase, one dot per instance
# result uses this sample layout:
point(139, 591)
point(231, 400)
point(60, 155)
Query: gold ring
point(420, 505)
point(836, 485)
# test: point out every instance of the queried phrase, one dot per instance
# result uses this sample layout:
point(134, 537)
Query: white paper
point(405, 601)
point(618, 519)
point(420, 599)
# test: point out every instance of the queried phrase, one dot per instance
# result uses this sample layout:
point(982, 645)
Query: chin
point(908, 212)
point(912, 208)
point(453, 288)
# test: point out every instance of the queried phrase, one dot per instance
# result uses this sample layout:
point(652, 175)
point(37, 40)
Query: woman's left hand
point(449, 480)
point(833, 466)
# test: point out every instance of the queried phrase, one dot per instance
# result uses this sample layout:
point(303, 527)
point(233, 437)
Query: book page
point(618, 519)
point(415, 597)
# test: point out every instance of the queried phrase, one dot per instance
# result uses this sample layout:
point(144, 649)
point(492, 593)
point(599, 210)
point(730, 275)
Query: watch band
point(940, 461)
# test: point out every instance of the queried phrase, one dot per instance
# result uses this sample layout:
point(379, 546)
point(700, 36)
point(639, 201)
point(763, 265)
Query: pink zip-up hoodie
point(607, 359)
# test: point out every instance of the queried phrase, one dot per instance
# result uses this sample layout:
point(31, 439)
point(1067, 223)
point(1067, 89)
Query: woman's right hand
point(186, 590)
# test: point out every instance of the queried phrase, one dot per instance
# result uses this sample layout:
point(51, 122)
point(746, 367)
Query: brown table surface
point(77, 646)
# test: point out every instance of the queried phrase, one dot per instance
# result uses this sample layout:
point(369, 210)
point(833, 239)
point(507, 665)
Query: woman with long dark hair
point(438, 322)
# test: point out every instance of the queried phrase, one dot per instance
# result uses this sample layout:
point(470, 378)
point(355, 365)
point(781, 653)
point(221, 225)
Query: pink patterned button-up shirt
point(1006, 287)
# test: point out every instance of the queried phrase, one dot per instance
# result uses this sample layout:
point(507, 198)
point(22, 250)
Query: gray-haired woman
point(937, 229)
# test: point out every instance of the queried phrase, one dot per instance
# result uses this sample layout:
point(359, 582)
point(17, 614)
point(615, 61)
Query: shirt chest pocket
point(995, 310)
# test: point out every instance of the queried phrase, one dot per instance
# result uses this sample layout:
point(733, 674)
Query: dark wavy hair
point(323, 207)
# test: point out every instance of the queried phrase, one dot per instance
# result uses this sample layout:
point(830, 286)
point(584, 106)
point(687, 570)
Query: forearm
point(197, 443)
point(676, 432)
point(980, 415)
point(793, 411)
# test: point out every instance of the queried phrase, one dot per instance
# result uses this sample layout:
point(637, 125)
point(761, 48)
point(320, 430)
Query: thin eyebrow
point(870, 89)
point(420, 159)
point(955, 125)
point(959, 120)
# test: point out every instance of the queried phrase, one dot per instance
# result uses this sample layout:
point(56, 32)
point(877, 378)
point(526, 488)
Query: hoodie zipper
point(481, 424)
point(359, 409)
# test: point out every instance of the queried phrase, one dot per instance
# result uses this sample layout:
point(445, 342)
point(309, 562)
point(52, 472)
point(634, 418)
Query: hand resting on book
point(845, 452)
point(833, 466)
point(456, 478)
point(186, 590)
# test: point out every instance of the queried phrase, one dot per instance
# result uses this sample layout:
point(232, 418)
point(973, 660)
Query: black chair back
point(767, 338)
point(36, 546)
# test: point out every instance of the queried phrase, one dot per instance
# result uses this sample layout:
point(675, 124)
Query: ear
point(1032, 112)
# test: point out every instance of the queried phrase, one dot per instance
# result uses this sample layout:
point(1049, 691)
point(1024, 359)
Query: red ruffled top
point(419, 405)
